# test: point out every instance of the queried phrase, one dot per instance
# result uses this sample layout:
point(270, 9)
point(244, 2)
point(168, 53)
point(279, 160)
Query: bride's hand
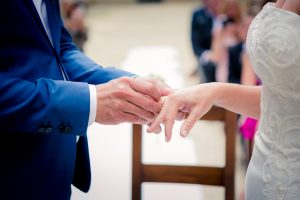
point(180, 116)
point(192, 102)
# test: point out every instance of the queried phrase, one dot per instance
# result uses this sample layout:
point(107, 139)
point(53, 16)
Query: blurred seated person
point(204, 22)
point(74, 12)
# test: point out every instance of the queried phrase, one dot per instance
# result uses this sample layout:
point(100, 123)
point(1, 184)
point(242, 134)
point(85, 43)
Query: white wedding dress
point(273, 44)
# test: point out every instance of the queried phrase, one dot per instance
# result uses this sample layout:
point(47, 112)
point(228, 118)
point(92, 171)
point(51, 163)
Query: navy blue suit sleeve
point(49, 106)
point(54, 106)
point(81, 68)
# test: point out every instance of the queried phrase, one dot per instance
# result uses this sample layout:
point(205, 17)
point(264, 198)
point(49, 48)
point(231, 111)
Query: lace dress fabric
point(273, 44)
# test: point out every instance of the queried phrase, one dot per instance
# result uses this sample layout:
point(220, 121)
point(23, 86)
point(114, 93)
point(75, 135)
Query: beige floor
point(114, 31)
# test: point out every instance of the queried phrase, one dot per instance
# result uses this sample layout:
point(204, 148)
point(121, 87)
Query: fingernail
point(184, 133)
point(166, 139)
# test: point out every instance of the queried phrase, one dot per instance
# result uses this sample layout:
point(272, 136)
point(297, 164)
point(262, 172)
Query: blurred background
point(182, 42)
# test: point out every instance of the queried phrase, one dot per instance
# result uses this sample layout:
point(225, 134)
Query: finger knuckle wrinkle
point(151, 87)
point(122, 92)
point(124, 79)
point(188, 124)
point(149, 104)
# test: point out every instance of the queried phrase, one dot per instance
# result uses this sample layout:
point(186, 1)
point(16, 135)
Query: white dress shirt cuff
point(93, 104)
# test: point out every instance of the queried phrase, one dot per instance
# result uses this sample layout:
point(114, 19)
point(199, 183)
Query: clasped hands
point(149, 101)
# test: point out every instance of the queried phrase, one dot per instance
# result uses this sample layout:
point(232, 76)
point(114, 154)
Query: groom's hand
point(134, 100)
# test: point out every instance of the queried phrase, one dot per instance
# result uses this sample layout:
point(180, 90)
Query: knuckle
point(153, 106)
point(171, 122)
point(124, 79)
point(188, 125)
point(122, 92)
point(120, 83)
point(148, 103)
point(154, 81)
point(151, 87)
point(167, 119)
point(147, 115)
point(117, 83)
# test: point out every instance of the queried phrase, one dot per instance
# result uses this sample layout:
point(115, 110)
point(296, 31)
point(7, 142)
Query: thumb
point(166, 91)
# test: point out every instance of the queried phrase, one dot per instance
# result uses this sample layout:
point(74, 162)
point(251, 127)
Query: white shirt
point(40, 6)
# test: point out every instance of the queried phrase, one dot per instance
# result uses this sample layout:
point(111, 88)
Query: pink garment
point(248, 128)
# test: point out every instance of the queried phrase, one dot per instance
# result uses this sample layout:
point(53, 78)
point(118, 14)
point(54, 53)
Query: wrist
point(216, 93)
point(100, 92)
point(222, 91)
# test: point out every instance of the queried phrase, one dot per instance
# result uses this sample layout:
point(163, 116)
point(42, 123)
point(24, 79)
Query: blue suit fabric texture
point(41, 114)
point(201, 33)
point(201, 37)
point(235, 63)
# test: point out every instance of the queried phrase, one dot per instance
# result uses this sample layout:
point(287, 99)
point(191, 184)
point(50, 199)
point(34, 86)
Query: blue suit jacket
point(201, 33)
point(40, 114)
point(235, 63)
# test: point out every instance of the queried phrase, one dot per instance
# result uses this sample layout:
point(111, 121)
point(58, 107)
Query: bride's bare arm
point(240, 99)
point(290, 5)
point(198, 100)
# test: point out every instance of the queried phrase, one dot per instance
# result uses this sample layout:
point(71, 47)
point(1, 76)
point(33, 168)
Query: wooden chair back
point(214, 176)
